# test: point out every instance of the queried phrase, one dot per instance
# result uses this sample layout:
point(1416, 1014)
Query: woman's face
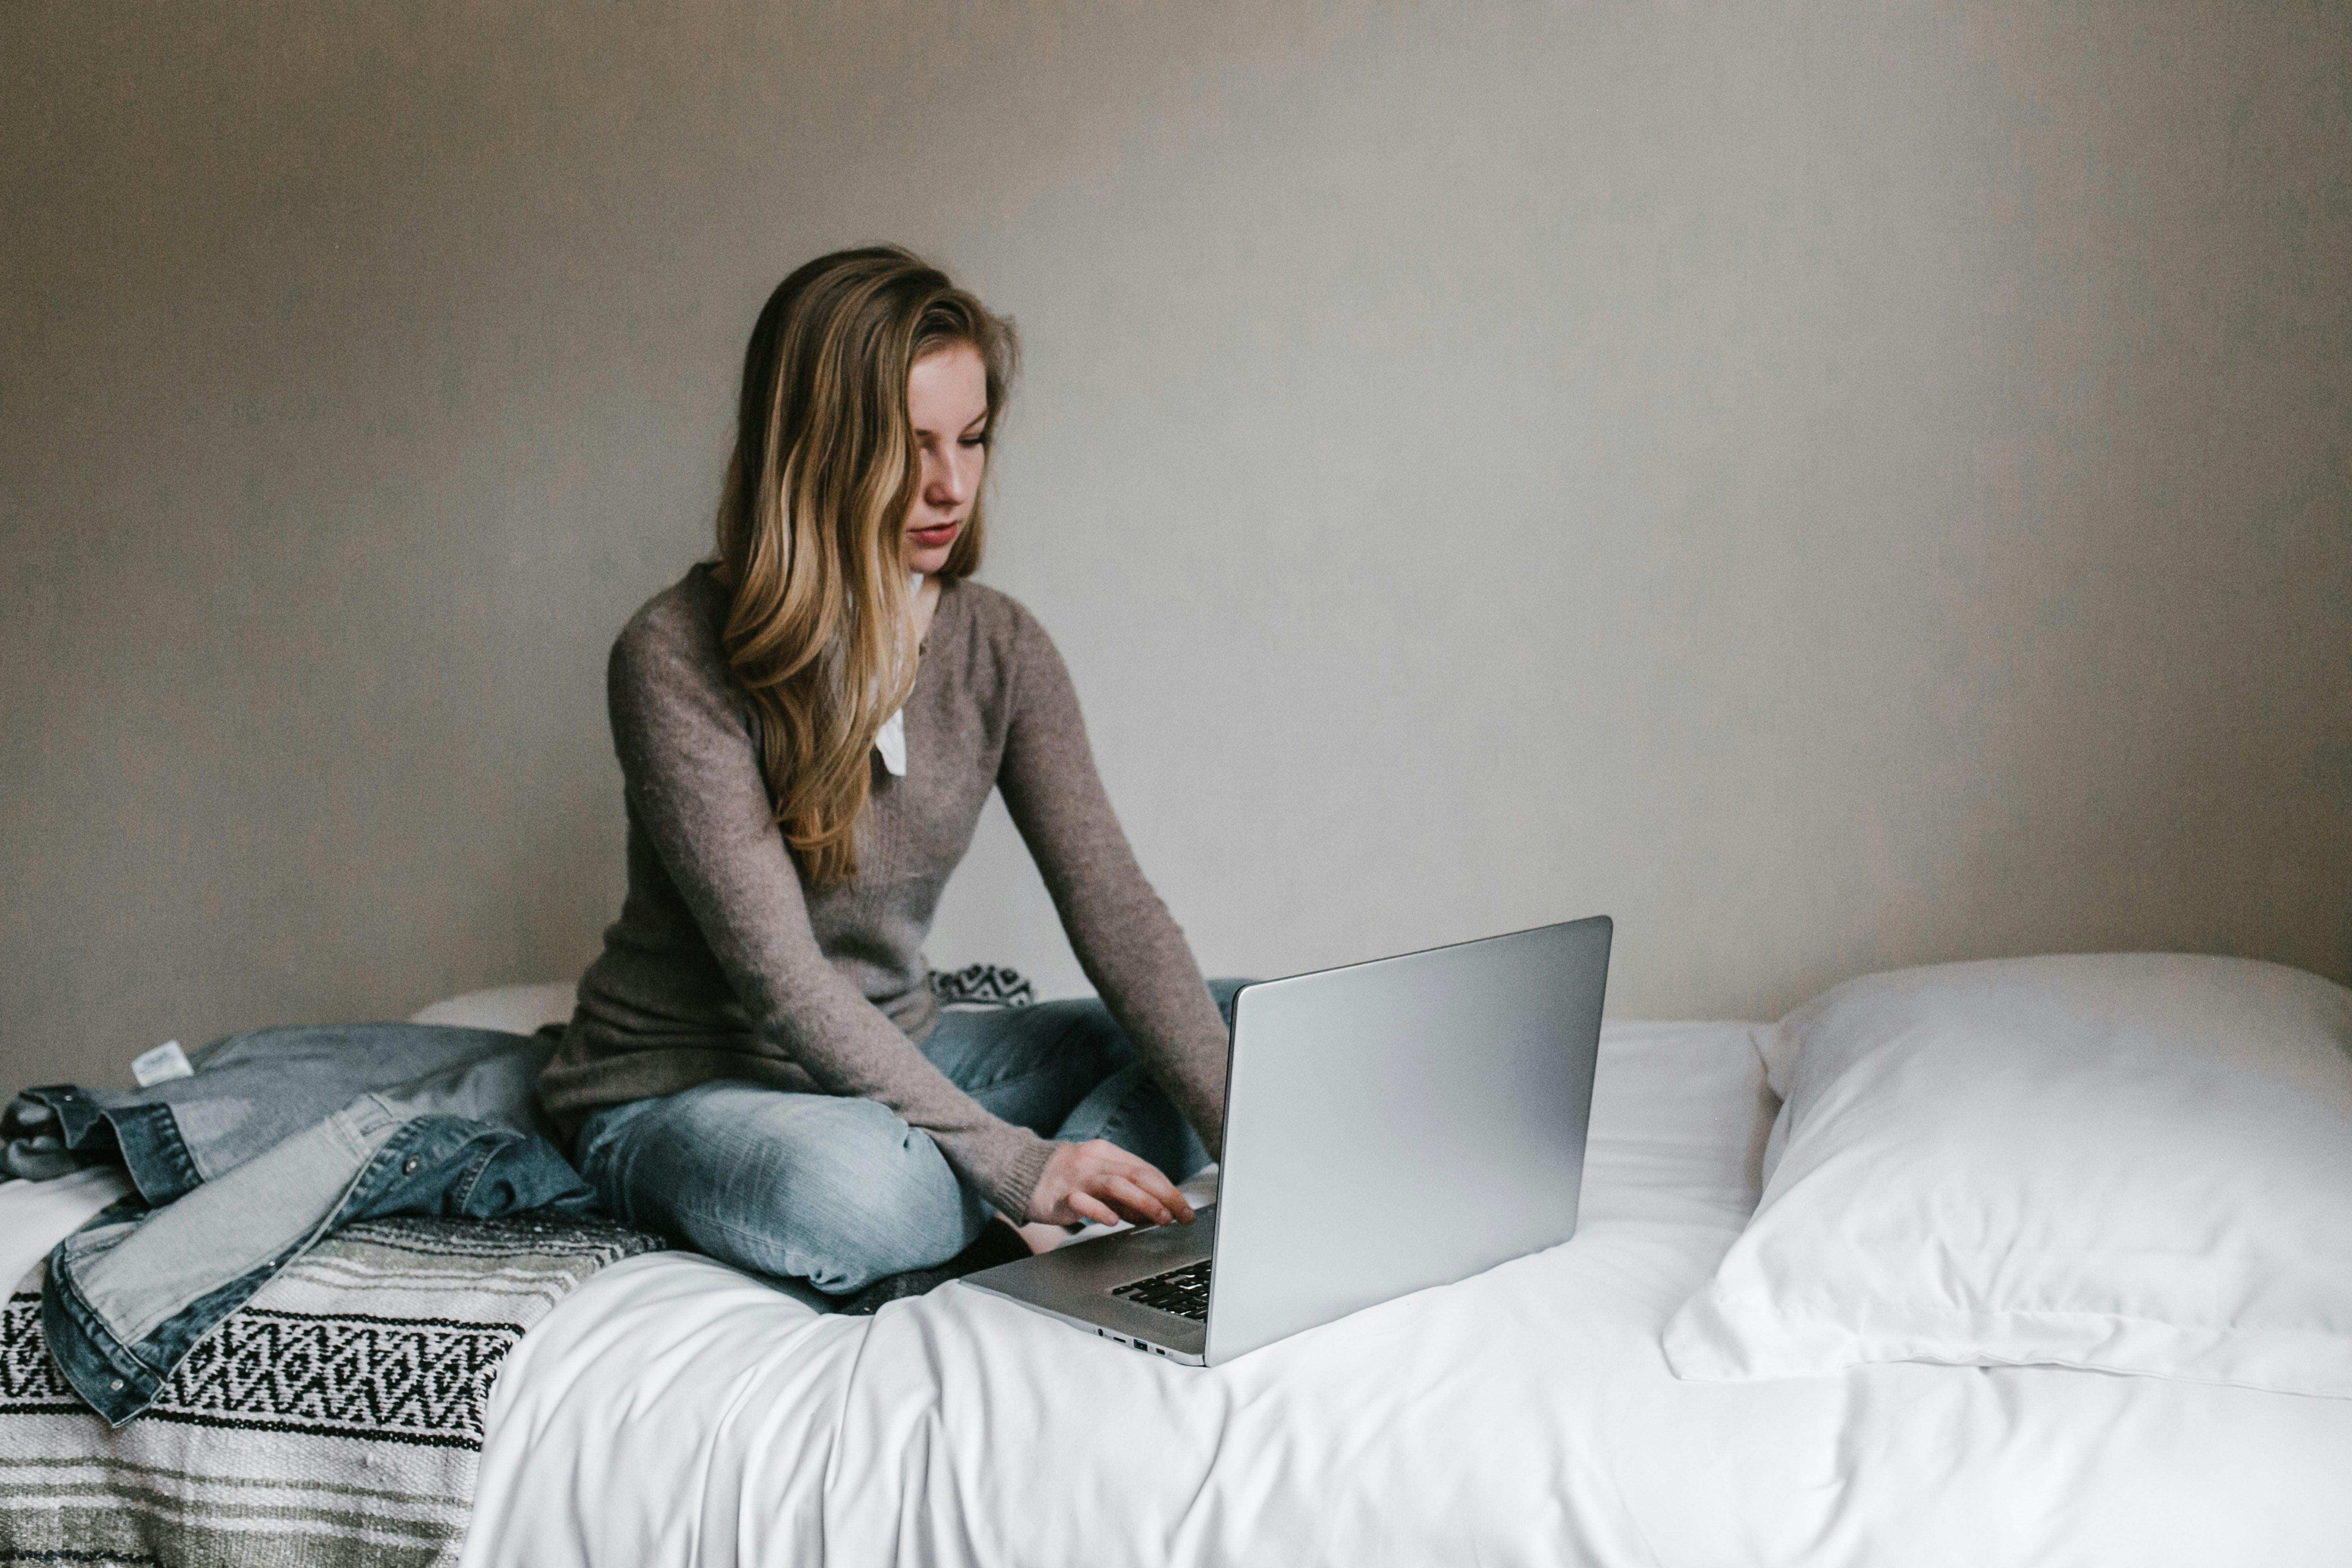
point(947, 394)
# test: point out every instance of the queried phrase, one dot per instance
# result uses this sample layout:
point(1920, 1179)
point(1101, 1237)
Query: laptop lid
point(1402, 1123)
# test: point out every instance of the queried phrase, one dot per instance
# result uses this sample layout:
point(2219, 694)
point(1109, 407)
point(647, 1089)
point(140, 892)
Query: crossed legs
point(838, 1190)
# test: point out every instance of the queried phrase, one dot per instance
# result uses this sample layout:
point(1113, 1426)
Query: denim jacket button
point(116, 1385)
point(408, 1166)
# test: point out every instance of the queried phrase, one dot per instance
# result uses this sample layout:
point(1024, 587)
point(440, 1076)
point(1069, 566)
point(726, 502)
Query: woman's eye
point(972, 441)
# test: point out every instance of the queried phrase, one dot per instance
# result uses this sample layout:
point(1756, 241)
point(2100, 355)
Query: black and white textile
point(982, 985)
point(337, 1417)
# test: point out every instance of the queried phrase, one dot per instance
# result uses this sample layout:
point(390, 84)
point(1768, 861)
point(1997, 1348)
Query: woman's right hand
point(1101, 1182)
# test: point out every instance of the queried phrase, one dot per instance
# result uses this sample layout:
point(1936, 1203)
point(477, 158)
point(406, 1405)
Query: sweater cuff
point(1013, 1182)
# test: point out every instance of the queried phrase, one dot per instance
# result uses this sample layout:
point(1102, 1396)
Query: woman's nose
point(949, 484)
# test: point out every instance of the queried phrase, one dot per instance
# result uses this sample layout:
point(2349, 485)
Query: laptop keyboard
point(1182, 1292)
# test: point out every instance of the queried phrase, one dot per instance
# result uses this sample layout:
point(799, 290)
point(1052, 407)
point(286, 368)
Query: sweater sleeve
point(692, 771)
point(1125, 940)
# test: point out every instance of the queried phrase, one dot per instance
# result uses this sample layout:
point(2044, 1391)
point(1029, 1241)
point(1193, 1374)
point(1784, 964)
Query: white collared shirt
point(891, 739)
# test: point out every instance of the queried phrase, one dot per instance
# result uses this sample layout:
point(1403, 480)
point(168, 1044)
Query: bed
point(672, 1410)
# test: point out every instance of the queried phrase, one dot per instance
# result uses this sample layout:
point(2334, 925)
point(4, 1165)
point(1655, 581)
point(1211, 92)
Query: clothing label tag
point(161, 1065)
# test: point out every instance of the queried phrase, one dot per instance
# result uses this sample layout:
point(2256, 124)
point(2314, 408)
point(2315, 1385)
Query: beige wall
point(1834, 485)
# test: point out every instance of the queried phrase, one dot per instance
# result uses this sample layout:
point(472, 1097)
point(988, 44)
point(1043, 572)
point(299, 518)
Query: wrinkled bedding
point(672, 1410)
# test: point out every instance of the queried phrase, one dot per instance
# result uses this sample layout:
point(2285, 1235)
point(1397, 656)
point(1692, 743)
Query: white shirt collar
point(891, 739)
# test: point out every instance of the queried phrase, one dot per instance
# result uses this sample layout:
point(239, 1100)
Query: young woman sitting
point(807, 728)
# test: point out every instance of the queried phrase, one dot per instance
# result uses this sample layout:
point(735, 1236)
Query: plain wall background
point(1833, 485)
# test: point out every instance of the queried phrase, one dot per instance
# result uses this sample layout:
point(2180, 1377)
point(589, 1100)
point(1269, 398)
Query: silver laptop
point(1388, 1126)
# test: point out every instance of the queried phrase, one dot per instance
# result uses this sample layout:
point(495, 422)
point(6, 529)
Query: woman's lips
point(942, 534)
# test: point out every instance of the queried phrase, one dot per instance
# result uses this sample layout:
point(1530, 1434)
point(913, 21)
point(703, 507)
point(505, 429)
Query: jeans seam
point(1059, 1043)
point(152, 1131)
point(471, 1177)
point(88, 1332)
point(1043, 1069)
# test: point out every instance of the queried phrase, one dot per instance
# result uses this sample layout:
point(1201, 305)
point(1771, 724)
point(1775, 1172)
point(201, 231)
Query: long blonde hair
point(825, 474)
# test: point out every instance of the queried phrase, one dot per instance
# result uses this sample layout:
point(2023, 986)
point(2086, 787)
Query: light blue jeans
point(836, 1190)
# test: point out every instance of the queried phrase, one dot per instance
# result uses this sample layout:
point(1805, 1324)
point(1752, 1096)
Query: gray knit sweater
point(723, 964)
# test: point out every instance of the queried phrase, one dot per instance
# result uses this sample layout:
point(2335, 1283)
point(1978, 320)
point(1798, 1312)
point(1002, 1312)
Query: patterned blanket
point(336, 1418)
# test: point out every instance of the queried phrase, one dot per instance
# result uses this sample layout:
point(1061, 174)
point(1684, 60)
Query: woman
point(808, 728)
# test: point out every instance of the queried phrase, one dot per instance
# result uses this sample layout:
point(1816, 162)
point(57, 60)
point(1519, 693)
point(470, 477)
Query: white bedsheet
point(674, 1411)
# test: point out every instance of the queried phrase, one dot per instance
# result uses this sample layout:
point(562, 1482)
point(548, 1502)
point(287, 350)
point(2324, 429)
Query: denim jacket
point(279, 1137)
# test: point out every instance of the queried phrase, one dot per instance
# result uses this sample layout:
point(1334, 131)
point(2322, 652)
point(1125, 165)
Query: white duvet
point(672, 1411)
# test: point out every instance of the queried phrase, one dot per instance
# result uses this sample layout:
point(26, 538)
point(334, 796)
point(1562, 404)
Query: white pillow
point(2136, 1163)
point(516, 1009)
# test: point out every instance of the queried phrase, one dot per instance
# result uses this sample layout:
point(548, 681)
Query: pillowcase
point(2133, 1163)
